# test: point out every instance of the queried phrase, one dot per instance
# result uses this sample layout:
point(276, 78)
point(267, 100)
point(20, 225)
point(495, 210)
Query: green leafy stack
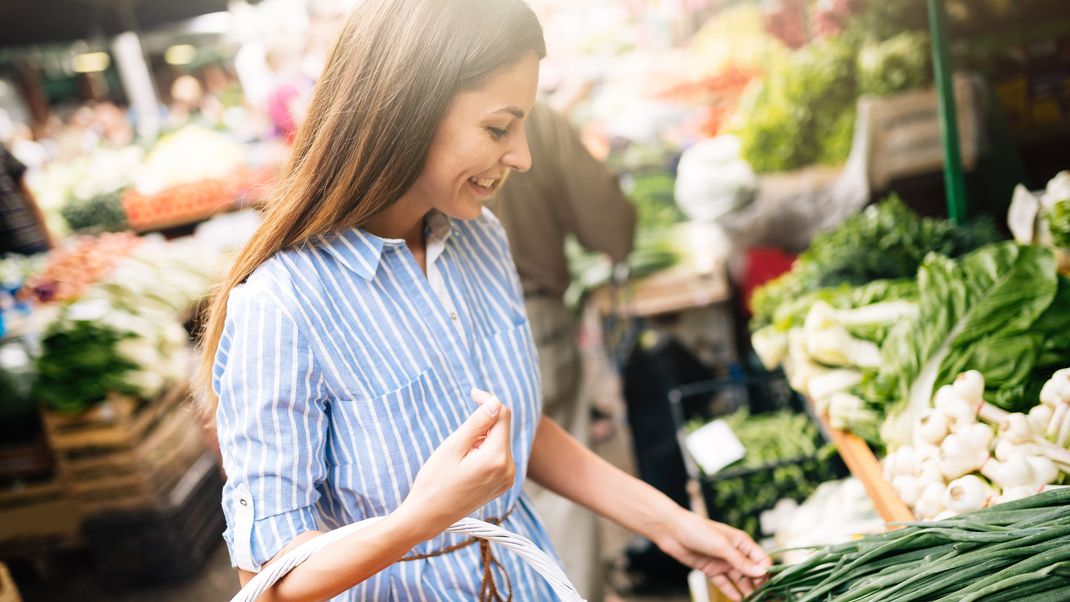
point(886, 241)
point(1001, 310)
point(79, 366)
point(803, 113)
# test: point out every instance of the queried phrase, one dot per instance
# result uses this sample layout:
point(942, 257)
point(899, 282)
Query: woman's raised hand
point(473, 466)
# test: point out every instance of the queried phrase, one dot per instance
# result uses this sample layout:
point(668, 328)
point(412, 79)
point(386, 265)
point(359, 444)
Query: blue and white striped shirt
point(339, 372)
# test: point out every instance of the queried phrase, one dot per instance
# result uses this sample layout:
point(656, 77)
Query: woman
point(347, 342)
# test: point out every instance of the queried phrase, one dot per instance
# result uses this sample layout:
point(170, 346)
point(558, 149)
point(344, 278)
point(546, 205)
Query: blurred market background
point(152, 133)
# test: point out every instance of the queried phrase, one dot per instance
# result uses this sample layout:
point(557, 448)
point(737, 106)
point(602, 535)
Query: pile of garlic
point(968, 454)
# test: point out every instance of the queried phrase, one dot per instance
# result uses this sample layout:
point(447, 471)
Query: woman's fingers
point(742, 583)
point(750, 549)
point(726, 587)
point(479, 424)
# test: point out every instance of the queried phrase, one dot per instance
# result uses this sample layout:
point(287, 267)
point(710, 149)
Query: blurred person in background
point(19, 139)
point(344, 349)
point(22, 225)
point(112, 125)
point(186, 97)
point(567, 192)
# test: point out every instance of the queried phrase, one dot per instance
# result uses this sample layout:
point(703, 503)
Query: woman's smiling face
point(479, 140)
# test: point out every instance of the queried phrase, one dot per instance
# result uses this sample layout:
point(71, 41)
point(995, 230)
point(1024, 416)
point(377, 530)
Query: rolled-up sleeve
point(272, 427)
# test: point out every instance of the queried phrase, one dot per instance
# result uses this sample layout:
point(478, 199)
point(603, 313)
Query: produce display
point(185, 176)
point(179, 202)
point(102, 213)
point(1002, 310)
point(772, 437)
point(655, 249)
point(837, 512)
point(1011, 552)
point(884, 348)
point(968, 454)
point(77, 264)
point(102, 172)
point(803, 111)
point(949, 350)
point(784, 459)
point(168, 277)
point(189, 154)
point(80, 365)
point(827, 321)
point(720, 94)
point(885, 241)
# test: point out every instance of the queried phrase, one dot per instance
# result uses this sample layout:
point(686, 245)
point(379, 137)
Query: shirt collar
point(361, 251)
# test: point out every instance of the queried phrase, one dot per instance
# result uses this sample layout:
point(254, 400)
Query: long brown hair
point(388, 81)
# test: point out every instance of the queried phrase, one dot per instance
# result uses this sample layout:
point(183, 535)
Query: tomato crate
point(124, 453)
point(739, 493)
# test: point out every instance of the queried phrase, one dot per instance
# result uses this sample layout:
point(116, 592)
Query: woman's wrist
point(422, 521)
point(657, 515)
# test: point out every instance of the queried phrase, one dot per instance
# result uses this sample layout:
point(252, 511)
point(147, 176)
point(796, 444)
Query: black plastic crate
point(168, 544)
point(738, 495)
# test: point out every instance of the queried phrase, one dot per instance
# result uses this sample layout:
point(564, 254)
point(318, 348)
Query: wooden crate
point(25, 461)
point(37, 515)
point(169, 543)
point(124, 454)
point(866, 468)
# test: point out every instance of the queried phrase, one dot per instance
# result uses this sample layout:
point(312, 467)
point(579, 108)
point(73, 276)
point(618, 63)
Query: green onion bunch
point(1018, 551)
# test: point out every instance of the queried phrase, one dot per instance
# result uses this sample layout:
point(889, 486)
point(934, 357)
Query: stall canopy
point(24, 22)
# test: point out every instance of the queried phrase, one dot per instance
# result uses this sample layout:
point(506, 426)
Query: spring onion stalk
point(1012, 548)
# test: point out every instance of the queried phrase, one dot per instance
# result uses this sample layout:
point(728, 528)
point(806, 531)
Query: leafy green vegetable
point(803, 112)
point(772, 437)
point(984, 312)
point(887, 241)
point(793, 313)
point(1059, 222)
point(103, 213)
point(652, 195)
point(895, 65)
point(79, 366)
point(655, 249)
point(785, 458)
point(796, 116)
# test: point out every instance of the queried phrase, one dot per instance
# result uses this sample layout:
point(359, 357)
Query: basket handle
point(539, 560)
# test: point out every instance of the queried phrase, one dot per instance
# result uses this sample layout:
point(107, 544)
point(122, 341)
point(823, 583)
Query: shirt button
point(453, 316)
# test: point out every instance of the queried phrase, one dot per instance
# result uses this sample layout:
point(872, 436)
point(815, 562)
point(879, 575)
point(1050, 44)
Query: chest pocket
point(379, 444)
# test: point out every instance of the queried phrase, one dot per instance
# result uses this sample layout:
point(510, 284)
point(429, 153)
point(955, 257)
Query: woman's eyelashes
point(497, 133)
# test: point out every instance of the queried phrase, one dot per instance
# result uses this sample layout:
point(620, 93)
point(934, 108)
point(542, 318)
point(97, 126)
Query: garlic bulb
point(967, 494)
point(970, 386)
point(907, 488)
point(931, 501)
point(933, 427)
